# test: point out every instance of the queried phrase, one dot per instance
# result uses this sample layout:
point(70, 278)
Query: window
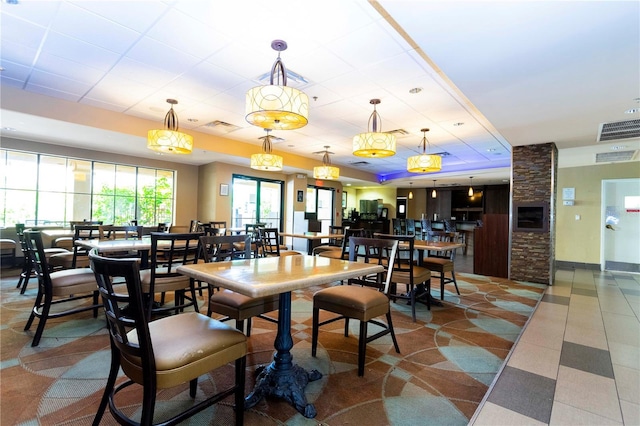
point(39, 189)
point(256, 200)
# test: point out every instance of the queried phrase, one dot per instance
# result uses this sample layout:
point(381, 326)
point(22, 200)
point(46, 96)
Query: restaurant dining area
point(420, 220)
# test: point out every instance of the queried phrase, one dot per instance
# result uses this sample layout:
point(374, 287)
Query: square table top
point(275, 275)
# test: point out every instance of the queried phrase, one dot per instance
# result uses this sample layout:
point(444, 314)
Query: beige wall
point(385, 193)
point(579, 240)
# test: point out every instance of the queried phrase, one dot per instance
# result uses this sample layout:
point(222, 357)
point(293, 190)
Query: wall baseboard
point(561, 264)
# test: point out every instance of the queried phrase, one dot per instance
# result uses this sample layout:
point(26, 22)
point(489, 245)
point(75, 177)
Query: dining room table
point(142, 246)
point(313, 238)
point(441, 248)
point(260, 277)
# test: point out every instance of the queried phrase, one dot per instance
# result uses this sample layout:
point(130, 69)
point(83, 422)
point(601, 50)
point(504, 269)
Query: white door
point(620, 250)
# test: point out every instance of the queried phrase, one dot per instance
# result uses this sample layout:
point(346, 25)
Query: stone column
point(534, 180)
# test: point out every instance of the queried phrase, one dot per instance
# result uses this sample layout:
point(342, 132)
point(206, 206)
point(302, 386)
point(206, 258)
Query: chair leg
point(453, 276)
point(393, 333)
point(193, 387)
point(46, 306)
point(239, 394)
point(37, 303)
point(362, 347)
point(346, 326)
point(96, 299)
point(314, 331)
point(240, 326)
point(412, 292)
point(111, 381)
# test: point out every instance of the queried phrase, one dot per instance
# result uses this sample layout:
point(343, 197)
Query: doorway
point(401, 212)
point(620, 231)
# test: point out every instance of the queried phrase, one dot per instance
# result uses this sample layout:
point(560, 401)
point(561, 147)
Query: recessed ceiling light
point(192, 120)
point(415, 90)
point(491, 150)
point(632, 110)
point(618, 147)
point(458, 124)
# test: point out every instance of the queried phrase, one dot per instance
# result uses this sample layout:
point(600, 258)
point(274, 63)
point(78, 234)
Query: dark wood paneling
point(496, 199)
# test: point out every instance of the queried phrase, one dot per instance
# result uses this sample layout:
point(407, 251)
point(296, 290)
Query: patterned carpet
point(448, 359)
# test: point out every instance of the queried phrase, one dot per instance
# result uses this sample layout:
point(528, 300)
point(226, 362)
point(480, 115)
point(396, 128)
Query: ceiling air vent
point(221, 126)
point(614, 157)
point(619, 130)
point(398, 132)
point(360, 163)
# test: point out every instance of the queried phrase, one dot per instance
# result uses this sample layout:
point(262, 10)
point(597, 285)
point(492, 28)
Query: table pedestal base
point(287, 384)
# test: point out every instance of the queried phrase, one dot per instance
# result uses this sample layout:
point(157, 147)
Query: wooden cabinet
point(455, 202)
point(491, 246)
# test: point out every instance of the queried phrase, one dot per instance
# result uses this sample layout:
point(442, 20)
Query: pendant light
point(374, 143)
point(470, 193)
point(170, 140)
point(410, 192)
point(326, 171)
point(277, 106)
point(424, 163)
point(433, 193)
point(266, 160)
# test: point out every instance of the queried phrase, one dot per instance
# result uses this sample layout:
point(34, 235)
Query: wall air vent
point(221, 126)
point(619, 130)
point(614, 157)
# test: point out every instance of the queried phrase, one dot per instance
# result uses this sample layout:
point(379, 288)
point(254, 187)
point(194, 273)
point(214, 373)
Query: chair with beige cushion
point(407, 272)
point(442, 262)
point(271, 245)
point(365, 298)
point(56, 288)
point(341, 252)
point(162, 354)
point(234, 305)
point(168, 251)
point(28, 270)
point(79, 256)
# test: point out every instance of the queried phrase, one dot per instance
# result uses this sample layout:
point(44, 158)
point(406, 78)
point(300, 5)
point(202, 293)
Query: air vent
point(614, 157)
point(360, 163)
point(619, 130)
point(398, 132)
point(222, 126)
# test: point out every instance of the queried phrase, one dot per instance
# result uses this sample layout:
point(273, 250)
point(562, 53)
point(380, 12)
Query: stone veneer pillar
point(533, 179)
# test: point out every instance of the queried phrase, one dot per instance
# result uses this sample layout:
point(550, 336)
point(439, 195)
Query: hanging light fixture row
point(424, 163)
point(277, 106)
point(374, 143)
point(326, 171)
point(169, 140)
point(266, 160)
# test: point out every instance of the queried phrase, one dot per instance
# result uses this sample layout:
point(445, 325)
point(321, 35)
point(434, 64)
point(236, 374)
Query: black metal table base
point(282, 378)
point(288, 385)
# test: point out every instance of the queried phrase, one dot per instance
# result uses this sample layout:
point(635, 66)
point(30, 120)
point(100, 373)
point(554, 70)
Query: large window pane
point(270, 202)
point(44, 189)
point(245, 195)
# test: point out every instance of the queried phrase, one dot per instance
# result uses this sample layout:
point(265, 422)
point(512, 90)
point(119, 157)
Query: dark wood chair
point(271, 245)
point(365, 298)
point(228, 303)
point(28, 270)
point(79, 256)
point(343, 251)
point(56, 288)
point(417, 279)
point(152, 354)
point(168, 251)
point(442, 262)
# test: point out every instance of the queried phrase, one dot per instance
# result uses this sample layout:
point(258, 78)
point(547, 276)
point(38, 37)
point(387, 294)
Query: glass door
point(256, 200)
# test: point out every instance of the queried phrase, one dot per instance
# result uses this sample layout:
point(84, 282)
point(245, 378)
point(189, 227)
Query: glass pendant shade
point(266, 160)
point(326, 171)
point(374, 144)
point(434, 194)
point(470, 192)
point(277, 106)
point(424, 163)
point(169, 140)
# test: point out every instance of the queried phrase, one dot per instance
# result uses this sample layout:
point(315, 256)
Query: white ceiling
point(97, 73)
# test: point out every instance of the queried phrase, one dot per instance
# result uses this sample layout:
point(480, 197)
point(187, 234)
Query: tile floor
point(578, 360)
